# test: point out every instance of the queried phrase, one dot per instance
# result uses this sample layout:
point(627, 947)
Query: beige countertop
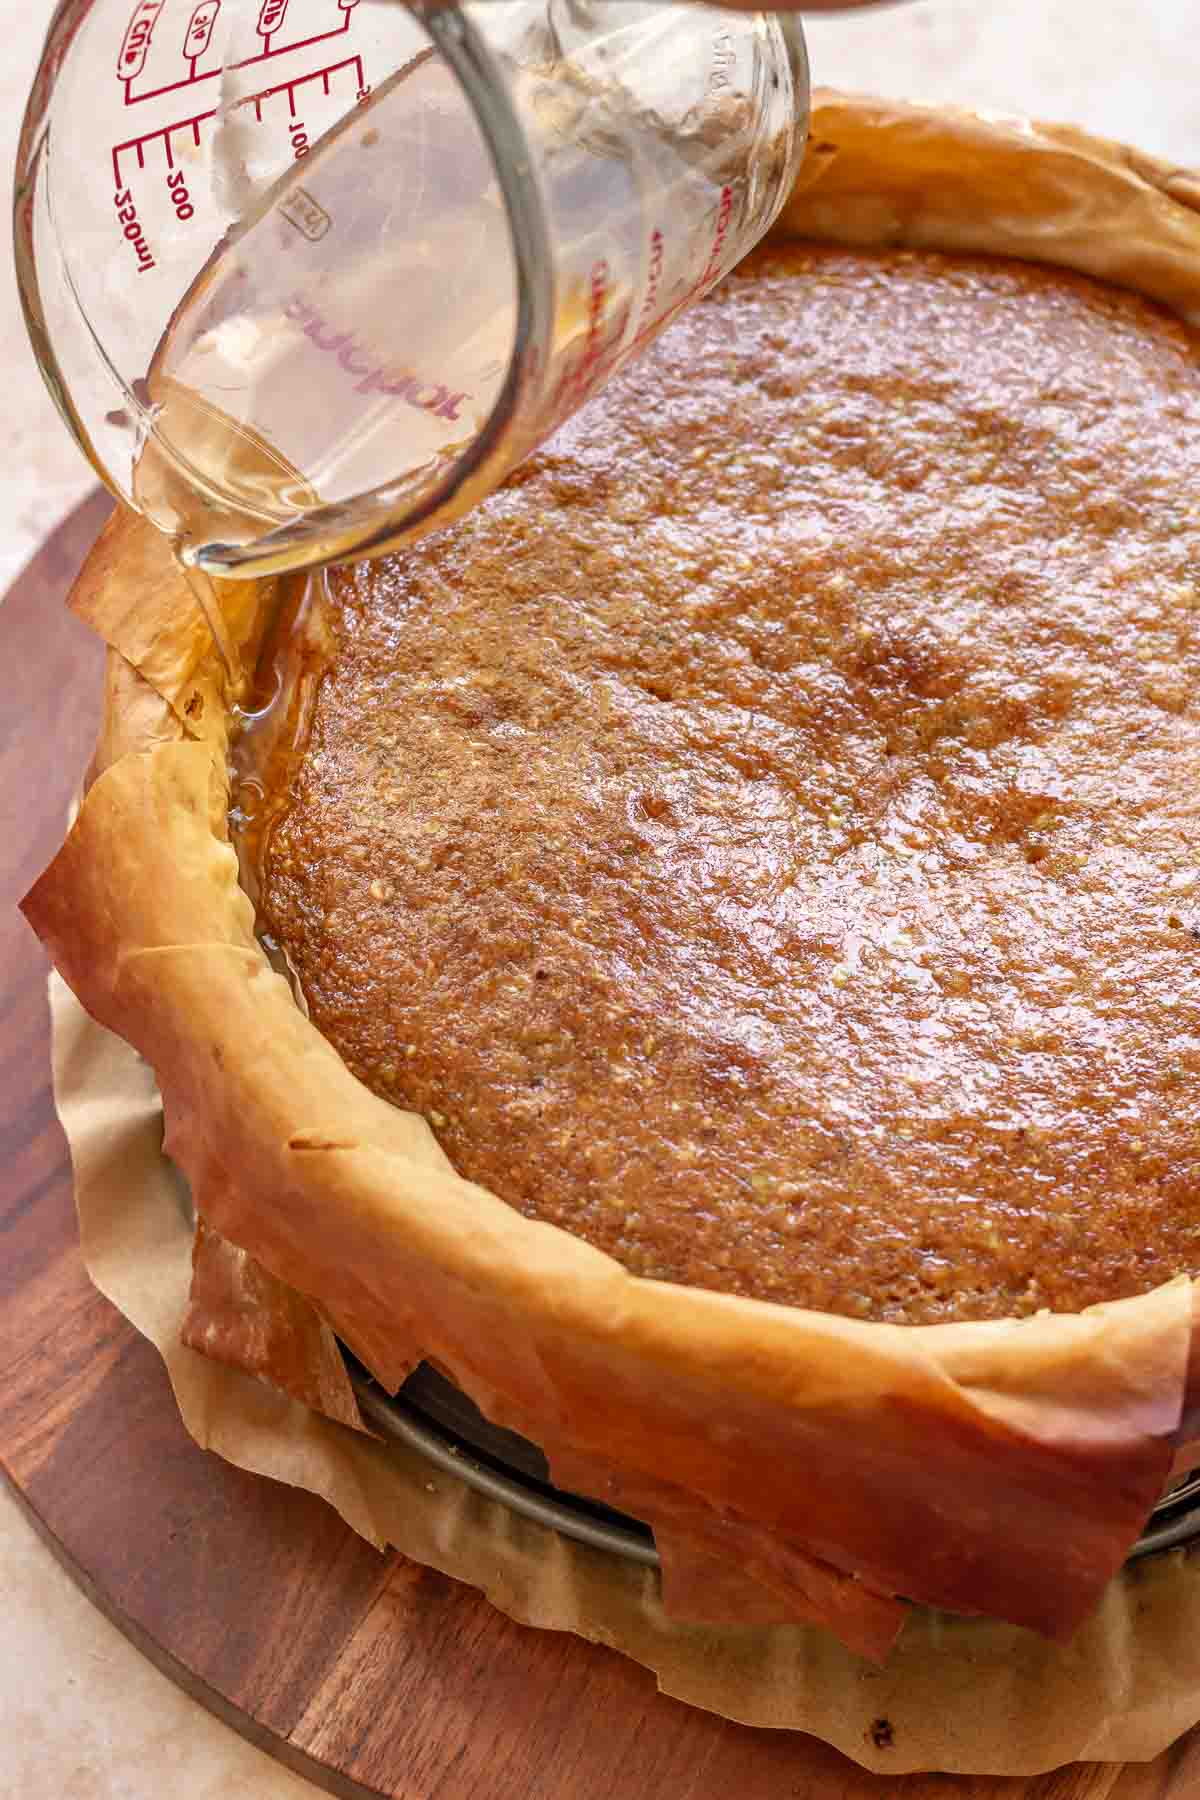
point(82, 1716)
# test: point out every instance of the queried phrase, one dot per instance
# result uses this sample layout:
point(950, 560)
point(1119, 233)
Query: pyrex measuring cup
point(308, 276)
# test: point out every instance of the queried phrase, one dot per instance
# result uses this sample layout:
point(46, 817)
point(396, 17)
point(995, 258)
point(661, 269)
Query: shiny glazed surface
point(763, 838)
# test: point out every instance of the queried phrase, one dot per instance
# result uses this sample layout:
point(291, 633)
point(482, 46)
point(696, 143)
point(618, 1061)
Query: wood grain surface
point(369, 1674)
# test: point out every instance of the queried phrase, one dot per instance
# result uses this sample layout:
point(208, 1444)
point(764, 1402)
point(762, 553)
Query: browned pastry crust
point(838, 1463)
point(238, 1313)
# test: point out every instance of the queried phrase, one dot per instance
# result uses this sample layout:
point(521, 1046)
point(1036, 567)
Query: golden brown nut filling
point(763, 839)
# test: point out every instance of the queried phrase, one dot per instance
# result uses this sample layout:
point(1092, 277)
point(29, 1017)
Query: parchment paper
point(963, 1696)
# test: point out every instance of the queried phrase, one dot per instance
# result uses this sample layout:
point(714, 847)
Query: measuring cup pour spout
point(308, 277)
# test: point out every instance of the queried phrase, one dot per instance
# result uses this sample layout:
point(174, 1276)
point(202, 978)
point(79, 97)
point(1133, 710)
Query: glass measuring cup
point(306, 277)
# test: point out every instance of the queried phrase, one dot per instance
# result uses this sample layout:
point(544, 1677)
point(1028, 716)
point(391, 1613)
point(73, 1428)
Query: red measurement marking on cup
point(181, 200)
point(654, 269)
point(724, 214)
point(131, 58)
point(131, 227)
point(318, 37)
point(148, 143)
point(140, 146)
point(292, 88)
point(198, 40)
point(652, 327)
point(273, 12)
point(579, 373)
point(198, 35)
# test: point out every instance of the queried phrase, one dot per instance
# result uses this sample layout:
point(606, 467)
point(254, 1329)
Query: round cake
point(763, 838)
point(704, 952)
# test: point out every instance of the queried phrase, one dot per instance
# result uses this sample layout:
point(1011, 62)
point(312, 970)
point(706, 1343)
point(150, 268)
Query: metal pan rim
point(1174, 1523)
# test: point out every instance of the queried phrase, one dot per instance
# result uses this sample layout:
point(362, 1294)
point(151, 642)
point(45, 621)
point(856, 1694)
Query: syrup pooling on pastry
point(272, 730)
point(763, 838)
point(201, 474)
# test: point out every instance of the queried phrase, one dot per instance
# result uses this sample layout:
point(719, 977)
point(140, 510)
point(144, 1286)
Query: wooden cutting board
point(369, 1674)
